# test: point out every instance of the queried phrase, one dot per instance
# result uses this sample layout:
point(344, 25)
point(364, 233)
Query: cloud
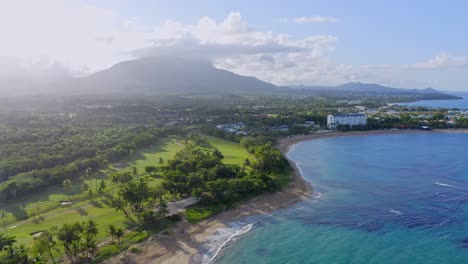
point(86, 38)
point(314, 20)
point(77, 35)
point(233, 45)
point(442, 61)
point(228, 37)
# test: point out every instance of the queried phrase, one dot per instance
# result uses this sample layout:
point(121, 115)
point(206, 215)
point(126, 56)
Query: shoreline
point(285, 144)
point(185, 242)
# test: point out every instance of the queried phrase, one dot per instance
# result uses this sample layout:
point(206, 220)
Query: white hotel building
point(351, 120)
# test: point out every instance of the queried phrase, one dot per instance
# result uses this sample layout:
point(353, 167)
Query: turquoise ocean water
point(380, 199)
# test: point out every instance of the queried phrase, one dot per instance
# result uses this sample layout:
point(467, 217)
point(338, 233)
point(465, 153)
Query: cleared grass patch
point(165, 148)
point(233, 152)
point(200, 212)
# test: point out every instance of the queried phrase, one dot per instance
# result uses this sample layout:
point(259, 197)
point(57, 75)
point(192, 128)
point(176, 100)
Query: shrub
point(135, 250)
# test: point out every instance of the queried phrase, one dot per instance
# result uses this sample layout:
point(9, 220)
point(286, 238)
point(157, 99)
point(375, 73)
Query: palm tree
point(102, 186)
point(46, 242)
point(17, 254)
point(90, 232)
point(6, 241)
point(119, 233)
point(91, 228)
point(112, 230)
point(3, 217)
point(163, 208)
point(67, 185)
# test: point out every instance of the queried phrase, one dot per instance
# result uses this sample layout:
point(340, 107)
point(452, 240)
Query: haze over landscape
point(309, 44)
point(212, 132)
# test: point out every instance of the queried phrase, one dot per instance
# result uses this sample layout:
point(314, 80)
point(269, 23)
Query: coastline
point(185, 242)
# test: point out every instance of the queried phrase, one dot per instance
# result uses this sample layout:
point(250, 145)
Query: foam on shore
point(224, 236)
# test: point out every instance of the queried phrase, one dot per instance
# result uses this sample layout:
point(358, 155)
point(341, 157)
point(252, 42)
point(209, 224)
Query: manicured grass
point(51, 213)
point(47, 203)
point(233, 152)
point(98, 210)
point(164, 148)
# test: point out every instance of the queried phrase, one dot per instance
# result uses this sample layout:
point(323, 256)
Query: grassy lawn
point(233, 152)
point(51, 213)
point(47, 203)
point(165, 149)
point(98, 210)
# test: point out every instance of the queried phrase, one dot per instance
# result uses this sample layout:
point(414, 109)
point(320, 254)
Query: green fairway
point(233, 152)
point(47, 203)
point(50, 213)
point(164, 148)
point(98, 210)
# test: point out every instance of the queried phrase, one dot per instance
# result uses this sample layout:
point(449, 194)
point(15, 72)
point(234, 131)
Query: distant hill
point(357, 90)
point(170, 76)
point(366, 88)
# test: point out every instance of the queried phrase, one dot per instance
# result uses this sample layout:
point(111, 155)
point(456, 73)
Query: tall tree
point(102, 186)
point(69, 234)
point(3, 218)
point(111, 230)
point(6, 241)
point(67, 185)
point(163, 208)
point(119, 233)
point(90, 232)
point(45, 242)
point(19, 255)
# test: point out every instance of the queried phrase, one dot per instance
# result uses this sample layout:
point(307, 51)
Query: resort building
point(333, 121)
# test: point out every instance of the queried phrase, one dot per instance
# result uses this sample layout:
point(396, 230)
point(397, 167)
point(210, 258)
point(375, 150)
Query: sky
point(409, 44)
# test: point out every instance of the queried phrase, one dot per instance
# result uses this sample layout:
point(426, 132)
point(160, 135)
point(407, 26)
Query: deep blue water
point(460, 104)
point(384, 199)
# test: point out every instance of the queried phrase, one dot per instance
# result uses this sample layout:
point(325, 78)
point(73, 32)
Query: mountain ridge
point(169, 75)
point(365, 87)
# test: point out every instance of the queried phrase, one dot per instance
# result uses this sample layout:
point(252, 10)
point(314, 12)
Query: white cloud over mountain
point(233, 45)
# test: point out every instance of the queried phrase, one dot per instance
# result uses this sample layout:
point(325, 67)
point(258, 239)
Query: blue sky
point(400, 43)
point(368, 31)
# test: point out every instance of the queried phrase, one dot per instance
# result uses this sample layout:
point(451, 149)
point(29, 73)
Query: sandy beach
point(184, 241)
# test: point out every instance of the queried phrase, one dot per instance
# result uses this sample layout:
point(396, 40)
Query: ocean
point(382, 199)
point(460, 104)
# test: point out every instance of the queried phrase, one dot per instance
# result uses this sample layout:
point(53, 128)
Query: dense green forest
point(44, 141)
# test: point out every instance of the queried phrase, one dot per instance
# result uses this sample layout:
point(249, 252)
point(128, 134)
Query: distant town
point(356, 115)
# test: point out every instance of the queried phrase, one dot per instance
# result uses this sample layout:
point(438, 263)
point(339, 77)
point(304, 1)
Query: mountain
point(167, 75)
point(356, 90)
point(170, 76)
